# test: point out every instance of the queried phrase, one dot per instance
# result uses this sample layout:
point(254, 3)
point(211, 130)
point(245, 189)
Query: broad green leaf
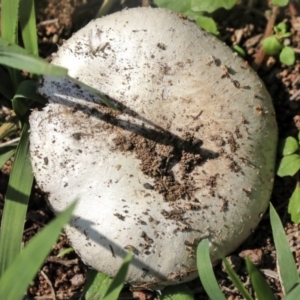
point(287, 56)
point(176, 292)
point(289, 165)
point(97, 285)
point(28, 26)
point(287, 267)
point(280, 2)
point(271, 45)
point(5, 154)
point(27, 263)
point(9, 20)
point(288, 146)
point(12, 55)
point(180, 6)
point(206, 272)
point(294, 205)
point(236, 280)
point(208, 24)
point(6, 86)
point(281, 28)
point(285, 35)
point(17, 196)
point(259, 283)
point(211, 5)
point(118, 281)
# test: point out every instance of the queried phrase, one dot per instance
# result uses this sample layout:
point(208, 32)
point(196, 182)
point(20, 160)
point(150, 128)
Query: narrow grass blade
point(21, 272)
point(96, 285)
point(5, 154)
point(176, 292)
point(6, 86)
point(12, 55)
point(9, 30)
point(25, 96)
point(260, 285)
point(93, 91)
point(118, 282)
point(28, 26)
point(17, 196)
point(287, 267)
point(27, 90)
point(64, 252)
point(294, 293)
point(236, 280)
point(9, 20)
point(105, 8)
point(206, 272)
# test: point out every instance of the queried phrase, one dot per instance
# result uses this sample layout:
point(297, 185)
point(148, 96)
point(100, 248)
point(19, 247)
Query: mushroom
point(187, 154)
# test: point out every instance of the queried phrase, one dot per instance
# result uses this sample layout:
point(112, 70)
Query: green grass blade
point(236, 280)
point(9, 20)
point(28, 26)
point(176, 292)
point(93, 91)
point(27, 90)
point(206, 272)
point(96, 285)
point(118, 282)
point(5, 154)
point(12, 55)
point(6, 86)
point(25, 96)
point(27, 263)
point(9, 30)
point(287, 267)
point(17, 196)
point(294, 293)
point(260, 285)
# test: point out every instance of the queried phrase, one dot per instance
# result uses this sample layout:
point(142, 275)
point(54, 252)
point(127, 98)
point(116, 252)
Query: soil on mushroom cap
point(158, 153)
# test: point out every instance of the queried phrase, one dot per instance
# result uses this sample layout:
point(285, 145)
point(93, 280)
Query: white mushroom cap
point(189, 155)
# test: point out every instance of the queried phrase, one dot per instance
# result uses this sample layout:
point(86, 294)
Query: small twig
point(9, 142)
point(145, 3)
point(260, 55)
point(270, 273)
point(66, 263)
point(296, 50)
point(50, 285)
point(295, 95)
point(47, 22)
point(33, 227)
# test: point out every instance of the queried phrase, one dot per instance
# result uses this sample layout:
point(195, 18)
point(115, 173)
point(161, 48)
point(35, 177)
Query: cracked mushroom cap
point(189, 154)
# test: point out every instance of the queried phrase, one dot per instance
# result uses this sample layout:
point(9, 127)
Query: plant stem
point(260, 55)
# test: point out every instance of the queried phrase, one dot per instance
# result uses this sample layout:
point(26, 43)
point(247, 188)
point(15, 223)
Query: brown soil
point(64, 278)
